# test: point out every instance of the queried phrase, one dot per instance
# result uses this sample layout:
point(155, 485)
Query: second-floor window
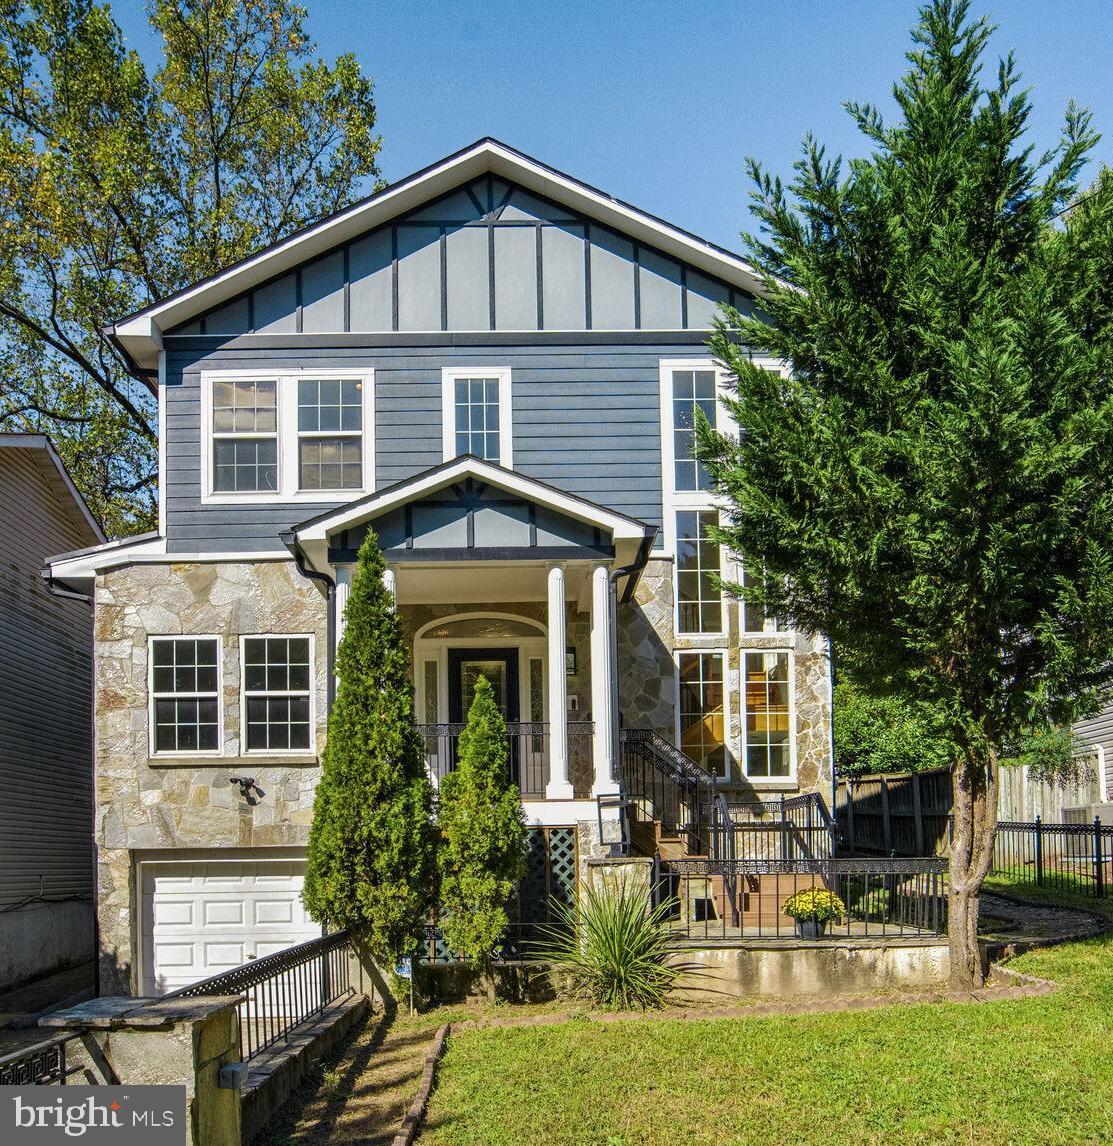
point(330, 433)
point(477, 414)
point(692, 390)
point(245, 437)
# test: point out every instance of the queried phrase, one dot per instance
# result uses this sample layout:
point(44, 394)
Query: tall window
point(277, 689)
point(754, 618)
point(245, 437)
point(185, 694)
point(330, 433)
point(692, 390)
point(699, 601)
point(477, 414)
point(766, 684)
point(702, 710)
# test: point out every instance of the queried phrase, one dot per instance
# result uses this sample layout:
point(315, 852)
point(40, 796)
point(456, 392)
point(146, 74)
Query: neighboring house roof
point(54, 471)
point(140, 334)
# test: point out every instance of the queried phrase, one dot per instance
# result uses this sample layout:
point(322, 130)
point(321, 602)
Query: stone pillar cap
point(119, 1012)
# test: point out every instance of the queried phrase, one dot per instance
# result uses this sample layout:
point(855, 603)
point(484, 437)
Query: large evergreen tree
point(121, 183)
point(482, 825)
point(929, 480)
point(372, 843)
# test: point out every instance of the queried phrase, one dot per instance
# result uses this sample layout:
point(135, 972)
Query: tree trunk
point(974, 784)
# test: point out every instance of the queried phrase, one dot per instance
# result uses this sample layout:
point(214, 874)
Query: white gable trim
point(620, 527)
point(141, 334)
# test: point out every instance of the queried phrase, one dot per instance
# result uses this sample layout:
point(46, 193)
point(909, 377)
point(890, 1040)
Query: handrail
point(685, 766)
point(38, 1065)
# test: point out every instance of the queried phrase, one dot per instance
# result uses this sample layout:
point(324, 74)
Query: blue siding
point(585, 419)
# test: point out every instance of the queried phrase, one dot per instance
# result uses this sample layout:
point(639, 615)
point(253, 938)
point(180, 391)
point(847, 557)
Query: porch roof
point(471, 511)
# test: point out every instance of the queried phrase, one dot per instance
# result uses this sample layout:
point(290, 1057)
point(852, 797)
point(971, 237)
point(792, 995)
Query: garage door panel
point(204, 917)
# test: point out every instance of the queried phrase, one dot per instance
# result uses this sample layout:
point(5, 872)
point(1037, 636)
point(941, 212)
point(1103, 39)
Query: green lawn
point(1010, 1072)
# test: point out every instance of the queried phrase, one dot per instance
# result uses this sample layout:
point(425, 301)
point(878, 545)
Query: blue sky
point(660, 102)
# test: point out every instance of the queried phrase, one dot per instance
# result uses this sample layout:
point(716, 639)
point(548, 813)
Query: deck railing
point(786, 828)
point(39, 1065)
point(528, 743)
point(283, 990)
point(744, 899)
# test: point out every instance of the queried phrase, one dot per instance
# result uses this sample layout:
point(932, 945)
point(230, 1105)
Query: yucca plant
point(614, 949)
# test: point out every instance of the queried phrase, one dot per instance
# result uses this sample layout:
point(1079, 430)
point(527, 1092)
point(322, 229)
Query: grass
point(995, 1074)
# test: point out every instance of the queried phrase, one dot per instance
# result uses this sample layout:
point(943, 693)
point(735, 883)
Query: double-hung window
point(477, 414)
point(699, 601)
point(245, 436)
point(330, 434)
point(702, 709)
point(767, 688)
point(277, 693)
point(185, 695)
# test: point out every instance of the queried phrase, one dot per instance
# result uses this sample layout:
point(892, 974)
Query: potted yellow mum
point(813, 910)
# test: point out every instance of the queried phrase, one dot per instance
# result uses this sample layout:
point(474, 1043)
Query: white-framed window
point(693, 388)
point(768, 715)
point(244, 425)
point(276, 675)
point(754, 618)
point(184, 695)
point(699, 601)
point(477, 413)
point(293, 435)
point(702, 709)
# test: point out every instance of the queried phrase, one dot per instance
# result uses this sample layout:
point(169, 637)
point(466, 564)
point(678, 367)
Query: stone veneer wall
point(647, 682)
point(145, 803)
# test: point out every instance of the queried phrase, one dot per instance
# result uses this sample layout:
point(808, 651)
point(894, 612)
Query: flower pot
point(811, 928)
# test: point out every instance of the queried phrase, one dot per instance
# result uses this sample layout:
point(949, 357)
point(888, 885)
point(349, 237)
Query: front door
point(500, 667)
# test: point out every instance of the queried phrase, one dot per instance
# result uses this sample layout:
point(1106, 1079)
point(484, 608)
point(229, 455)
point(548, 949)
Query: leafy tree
point(482, 824)
point(928, 479)
point(884, 734)
point(120, 185)
point(372, 843)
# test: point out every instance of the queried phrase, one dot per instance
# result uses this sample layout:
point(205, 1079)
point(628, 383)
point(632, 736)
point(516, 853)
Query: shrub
point(482, 849)
point(877, 734)
point(371, 860)
point(614, 949)
point(815, 903)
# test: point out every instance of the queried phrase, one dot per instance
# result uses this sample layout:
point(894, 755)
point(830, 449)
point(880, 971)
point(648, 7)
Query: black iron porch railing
point(671, 787)
point(786, 828)
point(39, 1065)
point(528, 743)
point(283, 990)
point(742, 899)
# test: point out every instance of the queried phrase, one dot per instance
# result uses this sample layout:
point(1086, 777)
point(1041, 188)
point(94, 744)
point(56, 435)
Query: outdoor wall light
point(248, 788)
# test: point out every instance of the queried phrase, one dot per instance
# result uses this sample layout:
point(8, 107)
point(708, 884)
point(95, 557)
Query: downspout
point(289, 539)
point(629, 571)
point(47, 575)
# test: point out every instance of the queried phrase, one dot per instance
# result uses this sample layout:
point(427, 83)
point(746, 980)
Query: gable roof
point(57, 477)
point(140, 334)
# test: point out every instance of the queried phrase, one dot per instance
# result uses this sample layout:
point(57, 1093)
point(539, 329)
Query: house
point(496, 367)
point(46, 721)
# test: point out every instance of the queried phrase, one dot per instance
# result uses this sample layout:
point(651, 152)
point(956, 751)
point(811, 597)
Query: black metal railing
point(1062, 857)
point(671, 787)
point(795, 827)
point(738, 899)
point(283, 990)
point(39, 1065)
point(528, 743)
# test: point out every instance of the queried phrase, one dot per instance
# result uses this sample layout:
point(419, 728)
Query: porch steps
point(648, 838)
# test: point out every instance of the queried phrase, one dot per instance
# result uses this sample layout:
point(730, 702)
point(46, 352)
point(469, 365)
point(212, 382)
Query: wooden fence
point(904, 815)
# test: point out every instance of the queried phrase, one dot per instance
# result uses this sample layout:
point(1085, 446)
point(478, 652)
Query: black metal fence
point(283, 990)
point(788, 828)
point(1062, 857)
point(38, 1065)
point(745, 898)
point(528, 743)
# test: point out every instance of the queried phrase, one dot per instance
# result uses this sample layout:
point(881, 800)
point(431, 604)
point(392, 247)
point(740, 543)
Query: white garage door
point(204, 917)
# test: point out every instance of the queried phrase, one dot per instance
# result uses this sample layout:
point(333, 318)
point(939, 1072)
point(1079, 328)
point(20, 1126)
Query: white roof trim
point(620, 527)
point(141, 334)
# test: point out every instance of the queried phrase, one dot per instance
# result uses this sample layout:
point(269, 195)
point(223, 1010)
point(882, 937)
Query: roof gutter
point(56, 590)
point(289, 538)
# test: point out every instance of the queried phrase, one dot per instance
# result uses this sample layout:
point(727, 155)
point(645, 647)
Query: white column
point(601, 683)
point(558, 787)
point(390, 580)
point(343, 588)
